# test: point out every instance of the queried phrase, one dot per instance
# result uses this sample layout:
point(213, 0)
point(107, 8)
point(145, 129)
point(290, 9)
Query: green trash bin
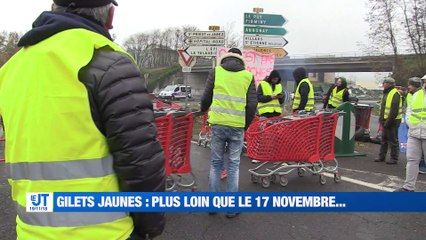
point(344, 140)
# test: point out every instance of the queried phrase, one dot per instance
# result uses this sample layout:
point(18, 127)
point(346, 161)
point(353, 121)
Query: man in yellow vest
point(304, 95)
point(416, 121)
point(78, 118)
point(337, 94)
point(230, 94)
point(270, 96)
point(414, 84)
point(390, 118)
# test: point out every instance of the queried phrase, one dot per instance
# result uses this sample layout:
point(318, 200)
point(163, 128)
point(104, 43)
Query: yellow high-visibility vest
point(53, 144)
point(388, 104)
point(336, 97)
point(271, 106)
point(418, 108)
point(297, 97)
point(409, 98)
point(229, 98)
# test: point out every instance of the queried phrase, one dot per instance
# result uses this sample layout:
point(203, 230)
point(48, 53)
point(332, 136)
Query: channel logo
point(39, 202)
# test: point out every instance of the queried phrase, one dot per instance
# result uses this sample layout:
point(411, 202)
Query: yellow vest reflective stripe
point(271, 106)
point(388, 104)
point(418, 108)
point(336, 98)
point(229, 98)
point(297, 97)
point(53, 143)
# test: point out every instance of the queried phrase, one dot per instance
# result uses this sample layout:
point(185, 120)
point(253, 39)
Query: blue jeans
point(231, 139)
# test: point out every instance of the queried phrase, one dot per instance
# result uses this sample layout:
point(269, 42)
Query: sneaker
point(422, 170)
point(403, 190)
point(379, 160)
point(255, 161)
point(232, 215)
point(224, 174)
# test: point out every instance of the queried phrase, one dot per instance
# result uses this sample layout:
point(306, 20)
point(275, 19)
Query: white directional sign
point(205, 41)
point(205, 34)
point(264, 41)
point(202, 51)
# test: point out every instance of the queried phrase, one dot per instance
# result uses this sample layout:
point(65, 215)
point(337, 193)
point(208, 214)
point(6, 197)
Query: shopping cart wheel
point(322, 180)
point(170, 184)
point(185, 180)
point(254, 178)
point(283, 180)
point(273, 178)
point(337, 177)
point(301, 172)
point(266, 182)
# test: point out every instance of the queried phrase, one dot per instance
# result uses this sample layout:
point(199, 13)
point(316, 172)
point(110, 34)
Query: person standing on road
point(416, 146)
point(337, 94)
point(304, 95)
point(414, 84)
point(78, 118)
point(270, 96)
point(390, 118)
point(230, 94)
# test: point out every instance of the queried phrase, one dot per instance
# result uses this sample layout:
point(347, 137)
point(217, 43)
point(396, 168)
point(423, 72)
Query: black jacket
point(394, 110)
point(304, 93)
point(232, 64)
point(121, 110)
point(264, 99)
point(345, 96)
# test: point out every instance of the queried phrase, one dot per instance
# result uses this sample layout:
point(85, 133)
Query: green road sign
point(264, 19)
point(264, 31)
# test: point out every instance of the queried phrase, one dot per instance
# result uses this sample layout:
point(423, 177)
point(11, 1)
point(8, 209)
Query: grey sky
point(314, 26)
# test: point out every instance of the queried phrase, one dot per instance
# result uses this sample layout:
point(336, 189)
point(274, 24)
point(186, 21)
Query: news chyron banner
point(226, 202)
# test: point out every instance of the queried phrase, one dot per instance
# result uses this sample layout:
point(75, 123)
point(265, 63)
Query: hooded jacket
point(264, 99)
point(330, 90)
point(120, 109)
point(299, 74)
point(230, 62)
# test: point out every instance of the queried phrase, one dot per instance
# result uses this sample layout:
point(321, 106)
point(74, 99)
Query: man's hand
point(280, 95)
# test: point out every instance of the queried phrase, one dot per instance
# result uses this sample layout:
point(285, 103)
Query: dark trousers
point(390, 139)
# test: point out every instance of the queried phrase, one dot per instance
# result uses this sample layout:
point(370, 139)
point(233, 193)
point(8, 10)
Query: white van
point(176, 92)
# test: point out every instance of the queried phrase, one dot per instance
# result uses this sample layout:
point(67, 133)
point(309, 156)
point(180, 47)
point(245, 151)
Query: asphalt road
point(369, 176)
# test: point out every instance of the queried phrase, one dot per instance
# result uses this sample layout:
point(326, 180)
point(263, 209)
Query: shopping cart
point(174, 130)
point(204, 137)
point(289, 143)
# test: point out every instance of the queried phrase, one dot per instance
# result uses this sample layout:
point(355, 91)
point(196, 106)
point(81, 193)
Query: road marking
point(362, 183)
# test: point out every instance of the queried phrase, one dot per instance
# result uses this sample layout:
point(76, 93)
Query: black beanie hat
point(235, 50)
point(84, 3)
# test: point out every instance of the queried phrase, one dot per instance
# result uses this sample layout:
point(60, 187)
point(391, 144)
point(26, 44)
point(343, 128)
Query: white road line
point(362, 183)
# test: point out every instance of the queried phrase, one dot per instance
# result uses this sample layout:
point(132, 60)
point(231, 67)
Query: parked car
point(175, 92)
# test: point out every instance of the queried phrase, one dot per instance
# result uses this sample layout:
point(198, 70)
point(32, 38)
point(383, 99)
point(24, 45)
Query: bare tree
point(232, 38)
point(382, 19)
point(8, 45)
point(414, 22)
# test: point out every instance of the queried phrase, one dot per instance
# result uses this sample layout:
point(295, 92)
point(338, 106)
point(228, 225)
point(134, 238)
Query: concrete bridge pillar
point(321, 77)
